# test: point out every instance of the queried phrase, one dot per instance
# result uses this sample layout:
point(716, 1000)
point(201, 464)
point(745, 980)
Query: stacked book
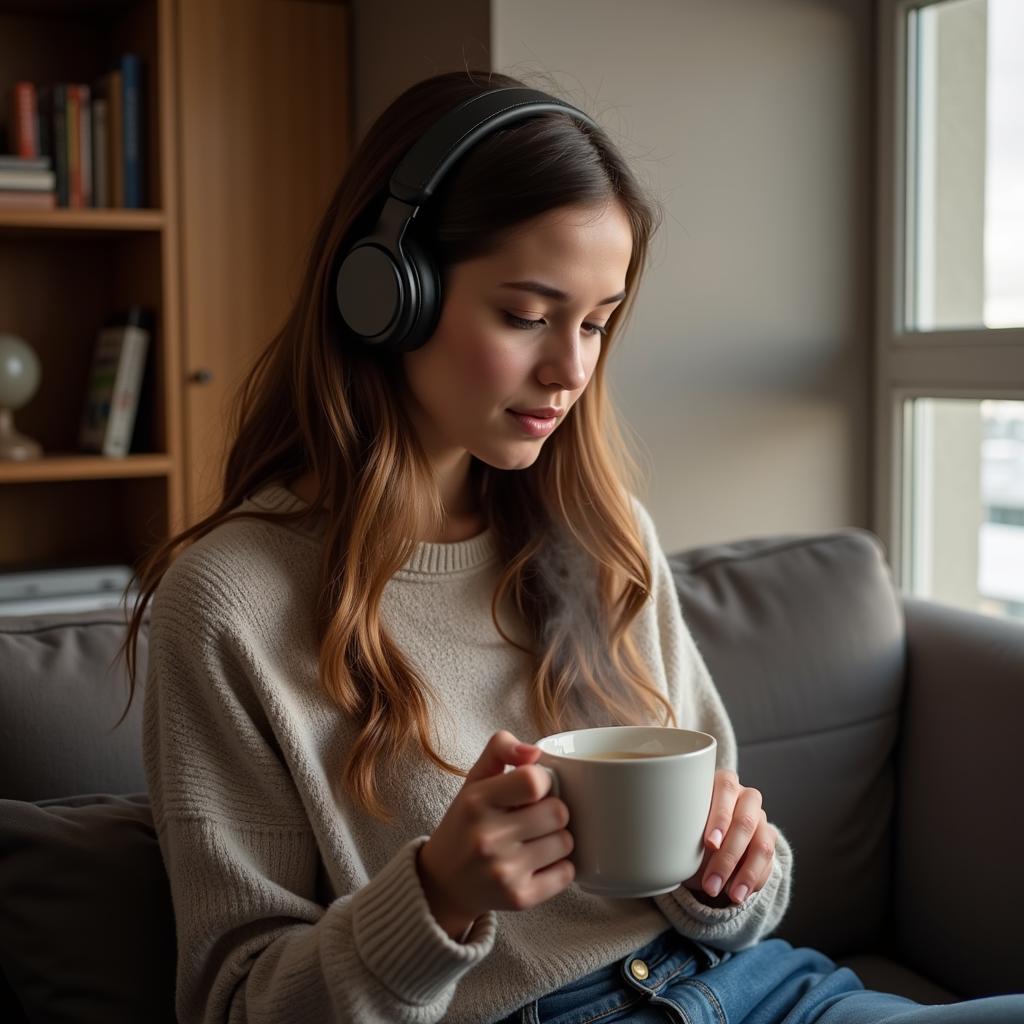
point(75, 144)
point(27, 183)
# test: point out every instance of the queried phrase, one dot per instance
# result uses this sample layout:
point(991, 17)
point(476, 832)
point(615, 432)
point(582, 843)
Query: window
point(949, 429)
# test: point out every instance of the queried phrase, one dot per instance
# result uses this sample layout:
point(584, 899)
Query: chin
point(519, 457)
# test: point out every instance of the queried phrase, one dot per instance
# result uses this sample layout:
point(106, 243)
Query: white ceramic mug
point(637, 821)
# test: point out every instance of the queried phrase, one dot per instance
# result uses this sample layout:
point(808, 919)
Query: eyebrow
point(554, 293)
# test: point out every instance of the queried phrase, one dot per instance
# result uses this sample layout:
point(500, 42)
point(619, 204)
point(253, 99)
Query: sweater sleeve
point(253, 942)
point(698, 705)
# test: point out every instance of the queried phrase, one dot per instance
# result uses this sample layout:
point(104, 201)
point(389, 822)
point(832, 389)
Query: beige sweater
point(291, 904)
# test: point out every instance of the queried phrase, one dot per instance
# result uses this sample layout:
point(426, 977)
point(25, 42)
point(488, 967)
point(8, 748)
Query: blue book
point(131, 72)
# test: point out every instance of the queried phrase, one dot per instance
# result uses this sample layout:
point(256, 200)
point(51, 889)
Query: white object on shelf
point(67, 603)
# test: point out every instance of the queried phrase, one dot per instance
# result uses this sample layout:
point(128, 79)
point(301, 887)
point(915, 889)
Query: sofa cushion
point(61, 692)
point(804, 638)
point(87, 932)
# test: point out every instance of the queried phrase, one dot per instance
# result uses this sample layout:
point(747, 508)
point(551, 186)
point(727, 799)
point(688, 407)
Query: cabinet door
point(264, 137)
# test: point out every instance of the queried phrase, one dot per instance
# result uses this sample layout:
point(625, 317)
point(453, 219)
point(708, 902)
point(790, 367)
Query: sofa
point(884, 732)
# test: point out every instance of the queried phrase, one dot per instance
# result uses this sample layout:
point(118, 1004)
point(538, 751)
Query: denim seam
point(664, 981)
point(614, 1009)
point(710, 996)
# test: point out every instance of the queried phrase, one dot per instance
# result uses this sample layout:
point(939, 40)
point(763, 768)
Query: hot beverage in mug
point(638, 799)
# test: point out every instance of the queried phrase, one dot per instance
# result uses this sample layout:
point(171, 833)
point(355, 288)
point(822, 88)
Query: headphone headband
point(427, 162)
point(387, 286)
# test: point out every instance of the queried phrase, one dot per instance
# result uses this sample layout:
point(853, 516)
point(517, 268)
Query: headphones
point(387, 286)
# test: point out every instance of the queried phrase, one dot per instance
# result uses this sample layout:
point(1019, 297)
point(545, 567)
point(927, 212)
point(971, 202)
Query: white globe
point(20, 372)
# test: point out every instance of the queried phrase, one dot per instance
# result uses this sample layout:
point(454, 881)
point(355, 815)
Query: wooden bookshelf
point(240, 156)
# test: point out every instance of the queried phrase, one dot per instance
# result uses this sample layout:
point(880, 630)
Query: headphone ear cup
point(369, 293)
point(422, 267)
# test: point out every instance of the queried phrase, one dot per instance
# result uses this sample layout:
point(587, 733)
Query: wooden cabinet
point(248, 133)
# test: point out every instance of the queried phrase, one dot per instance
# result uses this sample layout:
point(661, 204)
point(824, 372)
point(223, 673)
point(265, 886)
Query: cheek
point(489, 367)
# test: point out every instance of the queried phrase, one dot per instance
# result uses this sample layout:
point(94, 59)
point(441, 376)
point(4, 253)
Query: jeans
point(687, 982)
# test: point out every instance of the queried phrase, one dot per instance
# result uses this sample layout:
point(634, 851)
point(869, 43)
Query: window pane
point(966, 508)
point(965, 188)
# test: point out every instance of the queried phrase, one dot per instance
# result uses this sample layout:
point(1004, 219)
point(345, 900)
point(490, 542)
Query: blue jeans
point(687, 982)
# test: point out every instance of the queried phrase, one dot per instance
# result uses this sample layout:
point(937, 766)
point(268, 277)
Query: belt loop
point(710, 956)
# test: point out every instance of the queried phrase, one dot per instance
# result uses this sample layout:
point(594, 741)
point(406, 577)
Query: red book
point(24, 123)
point(74, 160)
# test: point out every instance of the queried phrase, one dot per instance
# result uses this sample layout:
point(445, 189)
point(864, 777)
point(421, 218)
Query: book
point(115, 381)
point(23, 126)
point(132, 98)
point(100, 162)
point(109, 89)
point(25, 200)
point(85, 144)
point(27, 179)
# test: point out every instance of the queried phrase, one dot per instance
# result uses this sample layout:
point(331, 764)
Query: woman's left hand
point(739, 844)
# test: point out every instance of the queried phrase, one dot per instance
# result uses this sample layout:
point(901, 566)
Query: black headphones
point(387, 287)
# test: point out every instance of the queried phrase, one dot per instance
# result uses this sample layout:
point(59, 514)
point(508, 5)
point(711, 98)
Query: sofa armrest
point(959, 890)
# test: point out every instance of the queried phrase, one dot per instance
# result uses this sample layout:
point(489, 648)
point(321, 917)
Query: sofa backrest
point(61, 691)
point(804, 637)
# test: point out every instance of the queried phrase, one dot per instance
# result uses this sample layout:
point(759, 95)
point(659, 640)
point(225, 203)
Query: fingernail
point(713, 885)
point(716, 837)
point(739, 894)
point(523, 748)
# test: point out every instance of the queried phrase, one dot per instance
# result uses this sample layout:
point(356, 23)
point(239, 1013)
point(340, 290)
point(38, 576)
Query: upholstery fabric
point(87, 932)
point(61, 692)
point(804, 639)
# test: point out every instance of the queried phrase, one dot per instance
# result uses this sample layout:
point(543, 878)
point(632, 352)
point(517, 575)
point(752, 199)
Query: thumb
point(502, 749)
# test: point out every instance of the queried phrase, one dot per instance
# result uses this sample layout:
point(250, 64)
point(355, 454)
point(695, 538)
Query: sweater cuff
point(740, 925)
point(400, 942)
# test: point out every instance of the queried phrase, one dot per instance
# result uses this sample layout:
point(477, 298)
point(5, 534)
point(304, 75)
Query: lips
point(541, 414)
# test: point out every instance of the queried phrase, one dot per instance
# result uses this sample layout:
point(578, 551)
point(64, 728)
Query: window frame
point(972, 363)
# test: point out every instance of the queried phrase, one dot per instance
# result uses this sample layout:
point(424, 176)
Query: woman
point(425, 555)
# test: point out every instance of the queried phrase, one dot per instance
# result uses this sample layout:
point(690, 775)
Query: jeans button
point(639, 970)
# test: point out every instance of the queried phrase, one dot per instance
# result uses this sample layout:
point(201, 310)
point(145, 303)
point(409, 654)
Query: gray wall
point(744, 376)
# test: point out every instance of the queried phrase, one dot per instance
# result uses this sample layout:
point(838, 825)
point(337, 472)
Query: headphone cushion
point(422, 267)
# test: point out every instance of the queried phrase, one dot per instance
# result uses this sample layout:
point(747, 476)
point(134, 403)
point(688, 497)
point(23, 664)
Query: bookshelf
point(219, 194)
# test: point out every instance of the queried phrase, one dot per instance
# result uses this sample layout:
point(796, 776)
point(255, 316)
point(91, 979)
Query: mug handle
point(555, 789)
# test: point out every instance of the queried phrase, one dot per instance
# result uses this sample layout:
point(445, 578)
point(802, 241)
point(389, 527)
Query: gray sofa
point(883, 731)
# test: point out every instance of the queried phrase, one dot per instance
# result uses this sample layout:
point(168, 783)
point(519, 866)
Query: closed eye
point(529, 325)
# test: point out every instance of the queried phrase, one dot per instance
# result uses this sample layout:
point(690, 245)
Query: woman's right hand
point(502, 844)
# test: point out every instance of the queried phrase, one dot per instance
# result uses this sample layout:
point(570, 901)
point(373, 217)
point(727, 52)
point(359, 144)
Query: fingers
point(756, 866)
point(723, 800)
point(502, 748)
point(747, 817)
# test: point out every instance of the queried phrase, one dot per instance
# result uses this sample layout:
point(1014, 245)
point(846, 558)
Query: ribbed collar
point(426, 560)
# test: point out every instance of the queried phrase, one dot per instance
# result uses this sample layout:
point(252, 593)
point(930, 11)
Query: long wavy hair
point(316, 401)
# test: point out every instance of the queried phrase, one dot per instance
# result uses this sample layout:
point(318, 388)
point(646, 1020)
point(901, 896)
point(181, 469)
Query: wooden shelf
point(87, 220)
point(69, 466)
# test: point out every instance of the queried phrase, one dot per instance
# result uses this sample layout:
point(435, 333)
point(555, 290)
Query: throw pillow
point(87, 932)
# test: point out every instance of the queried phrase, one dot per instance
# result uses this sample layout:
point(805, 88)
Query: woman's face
point(486, 358)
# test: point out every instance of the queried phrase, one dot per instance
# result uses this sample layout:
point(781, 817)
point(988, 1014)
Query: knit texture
point(291, 904)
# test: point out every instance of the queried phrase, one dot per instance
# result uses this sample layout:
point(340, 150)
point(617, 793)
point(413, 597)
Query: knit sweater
point(291, 903)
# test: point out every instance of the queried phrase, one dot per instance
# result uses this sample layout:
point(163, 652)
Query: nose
point(563, 363)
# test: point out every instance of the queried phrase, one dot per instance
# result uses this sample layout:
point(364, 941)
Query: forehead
point(585, 251)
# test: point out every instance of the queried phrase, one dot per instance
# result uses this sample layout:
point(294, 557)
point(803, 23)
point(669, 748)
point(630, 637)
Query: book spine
point(131, 73)
point(115, 136)
point(14, 200)
point(44, 100)
point(73, 150)
point(24, 140)
point(60, 145)
point(101, 193)
point(125, 399)
point(85, 142)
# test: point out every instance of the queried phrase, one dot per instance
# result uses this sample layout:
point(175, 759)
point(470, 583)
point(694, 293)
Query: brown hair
point(314, 400)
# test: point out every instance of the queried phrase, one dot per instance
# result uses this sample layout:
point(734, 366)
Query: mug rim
point(711, 744)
